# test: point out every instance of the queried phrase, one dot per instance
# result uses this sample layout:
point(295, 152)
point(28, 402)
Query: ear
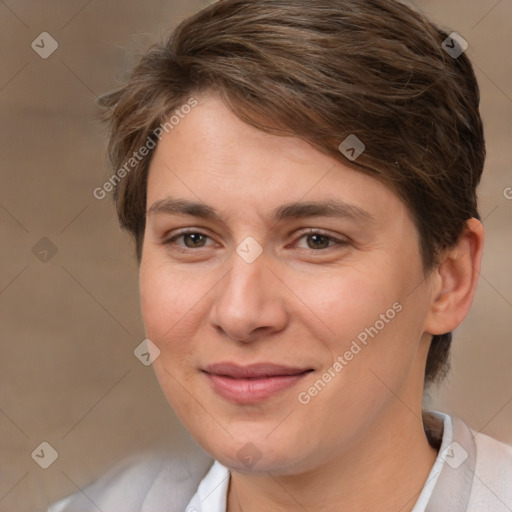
point(455, 281)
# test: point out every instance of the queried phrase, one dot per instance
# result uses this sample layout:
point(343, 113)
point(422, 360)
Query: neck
point(393, 455)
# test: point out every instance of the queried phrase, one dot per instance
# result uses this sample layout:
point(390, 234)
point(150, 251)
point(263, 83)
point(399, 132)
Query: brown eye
point(318, 241)
point(195, 239)
point(188, 240)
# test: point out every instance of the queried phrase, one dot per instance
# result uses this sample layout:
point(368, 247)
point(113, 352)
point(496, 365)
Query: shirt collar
point(455, 480)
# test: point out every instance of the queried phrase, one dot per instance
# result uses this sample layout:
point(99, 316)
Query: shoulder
point(492, 483)
point(145, 482)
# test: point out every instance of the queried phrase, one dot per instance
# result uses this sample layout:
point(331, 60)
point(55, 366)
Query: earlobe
point(457, 277)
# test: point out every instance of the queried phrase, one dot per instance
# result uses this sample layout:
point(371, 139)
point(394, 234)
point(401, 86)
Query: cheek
point(156, 300)
point(170, 299)
point(169, 317)
point(346, 301)
point(371, 319)
point(161, 313)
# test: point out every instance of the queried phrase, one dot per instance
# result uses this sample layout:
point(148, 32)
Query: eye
point(316, 240)
point(191, 239)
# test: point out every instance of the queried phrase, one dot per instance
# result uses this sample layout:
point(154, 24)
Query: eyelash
point(172, 240)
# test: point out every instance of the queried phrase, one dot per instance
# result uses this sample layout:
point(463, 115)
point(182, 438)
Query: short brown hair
point(322, 70)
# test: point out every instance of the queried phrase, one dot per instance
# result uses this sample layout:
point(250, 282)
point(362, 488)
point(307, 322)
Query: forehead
point(214, 158)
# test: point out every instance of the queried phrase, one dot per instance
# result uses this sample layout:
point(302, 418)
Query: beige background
point(69, 325)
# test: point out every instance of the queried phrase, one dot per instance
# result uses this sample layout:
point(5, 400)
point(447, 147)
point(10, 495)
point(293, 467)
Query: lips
point(254, 371)
point(253, 383)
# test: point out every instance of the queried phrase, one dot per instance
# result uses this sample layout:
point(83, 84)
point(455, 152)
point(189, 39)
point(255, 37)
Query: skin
point(296, 305)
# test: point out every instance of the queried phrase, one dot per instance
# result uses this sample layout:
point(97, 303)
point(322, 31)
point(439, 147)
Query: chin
point(255, 454)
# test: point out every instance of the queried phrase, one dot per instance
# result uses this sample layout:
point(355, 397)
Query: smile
point(251, 384)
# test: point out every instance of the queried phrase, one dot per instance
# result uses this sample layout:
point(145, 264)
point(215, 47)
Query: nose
point(250, 301)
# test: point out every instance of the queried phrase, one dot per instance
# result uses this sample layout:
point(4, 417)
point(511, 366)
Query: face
point(285, 292)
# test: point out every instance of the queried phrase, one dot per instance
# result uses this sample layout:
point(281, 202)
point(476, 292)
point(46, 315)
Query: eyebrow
point(297, 210)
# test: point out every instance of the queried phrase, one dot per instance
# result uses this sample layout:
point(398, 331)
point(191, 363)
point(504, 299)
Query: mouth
point(254, 383)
